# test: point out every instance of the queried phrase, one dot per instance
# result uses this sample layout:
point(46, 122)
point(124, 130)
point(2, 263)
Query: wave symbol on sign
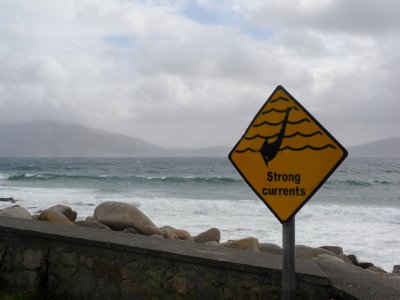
point(269, 150)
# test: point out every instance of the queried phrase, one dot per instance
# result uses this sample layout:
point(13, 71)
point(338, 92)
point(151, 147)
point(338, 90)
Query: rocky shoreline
point(119, 216)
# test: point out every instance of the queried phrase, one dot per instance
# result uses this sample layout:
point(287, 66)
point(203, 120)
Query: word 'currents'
point(278, 177)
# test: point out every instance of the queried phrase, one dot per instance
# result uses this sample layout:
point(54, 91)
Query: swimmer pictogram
point(272, 144)
point(270, 150)
point(285, 154)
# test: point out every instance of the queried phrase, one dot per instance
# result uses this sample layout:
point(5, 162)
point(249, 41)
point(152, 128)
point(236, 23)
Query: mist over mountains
point(381, 148)
point(50, 138)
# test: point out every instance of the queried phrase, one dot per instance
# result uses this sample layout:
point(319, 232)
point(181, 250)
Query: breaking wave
point(136, 178)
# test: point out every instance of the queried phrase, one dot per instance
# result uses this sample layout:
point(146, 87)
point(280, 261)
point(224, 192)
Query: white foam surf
point(369, 232)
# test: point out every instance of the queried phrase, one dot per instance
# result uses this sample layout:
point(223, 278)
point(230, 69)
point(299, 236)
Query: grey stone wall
point(86, 263)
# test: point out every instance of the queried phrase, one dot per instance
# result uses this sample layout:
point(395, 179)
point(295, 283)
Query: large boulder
point(66, 211)
point(169, 234)
point(172, 233)
point(334, 249)
point(119, 215)
point(16, 212)
point(328, 257)
point(270, 248)
point(365, 265)
point(250, 244)
point(183, 235)
point(54, 216)
point(356, 283)
point(345, 258)
point(211, 235)
point(353, 259)
point(307, 252)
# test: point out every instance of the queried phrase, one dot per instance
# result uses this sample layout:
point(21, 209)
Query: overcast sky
point(195, 73)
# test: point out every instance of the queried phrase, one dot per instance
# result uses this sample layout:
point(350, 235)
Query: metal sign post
point(288, 260)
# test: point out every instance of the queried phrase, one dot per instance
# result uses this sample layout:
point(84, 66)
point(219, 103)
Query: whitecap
point(4, 176)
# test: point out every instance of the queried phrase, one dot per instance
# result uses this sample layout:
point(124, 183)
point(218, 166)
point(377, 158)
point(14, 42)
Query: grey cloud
point(180, 83)
point(226, 55)
point(303, 43)
point(360, 107)
point(358, 16)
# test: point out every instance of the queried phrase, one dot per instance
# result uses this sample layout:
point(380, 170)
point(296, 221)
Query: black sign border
point(344, 155)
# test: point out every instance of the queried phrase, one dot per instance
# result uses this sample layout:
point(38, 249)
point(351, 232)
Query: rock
point(211, 235)
point(167, 227)
point(170, 234)
point(303, 251)
point(11, 199)
point(35, 217)
point(396, 269)
point(183, 235)
point(270, 248)
point(353, 259)
point(250, 244)
point(54, 216)
point(334, 249)
point(377, 270)
point(365, 265)
point(92, 224)
point(344, 258)
point(66, 211)
point(119, 215)
point(16, 212)
point(175, 234)
point(89, 218)
point(357, 283)
point(328, 257)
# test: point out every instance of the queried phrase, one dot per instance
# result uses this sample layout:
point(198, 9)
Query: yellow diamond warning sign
point(285, 155)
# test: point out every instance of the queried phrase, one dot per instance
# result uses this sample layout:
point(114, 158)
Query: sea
point(358, 208)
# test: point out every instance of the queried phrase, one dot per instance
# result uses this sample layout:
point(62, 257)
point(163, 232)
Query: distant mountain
point(381, 148)
point(48, 138)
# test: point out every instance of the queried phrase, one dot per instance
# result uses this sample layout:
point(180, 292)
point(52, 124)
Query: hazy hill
point(47, 138)
point(381, 148)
